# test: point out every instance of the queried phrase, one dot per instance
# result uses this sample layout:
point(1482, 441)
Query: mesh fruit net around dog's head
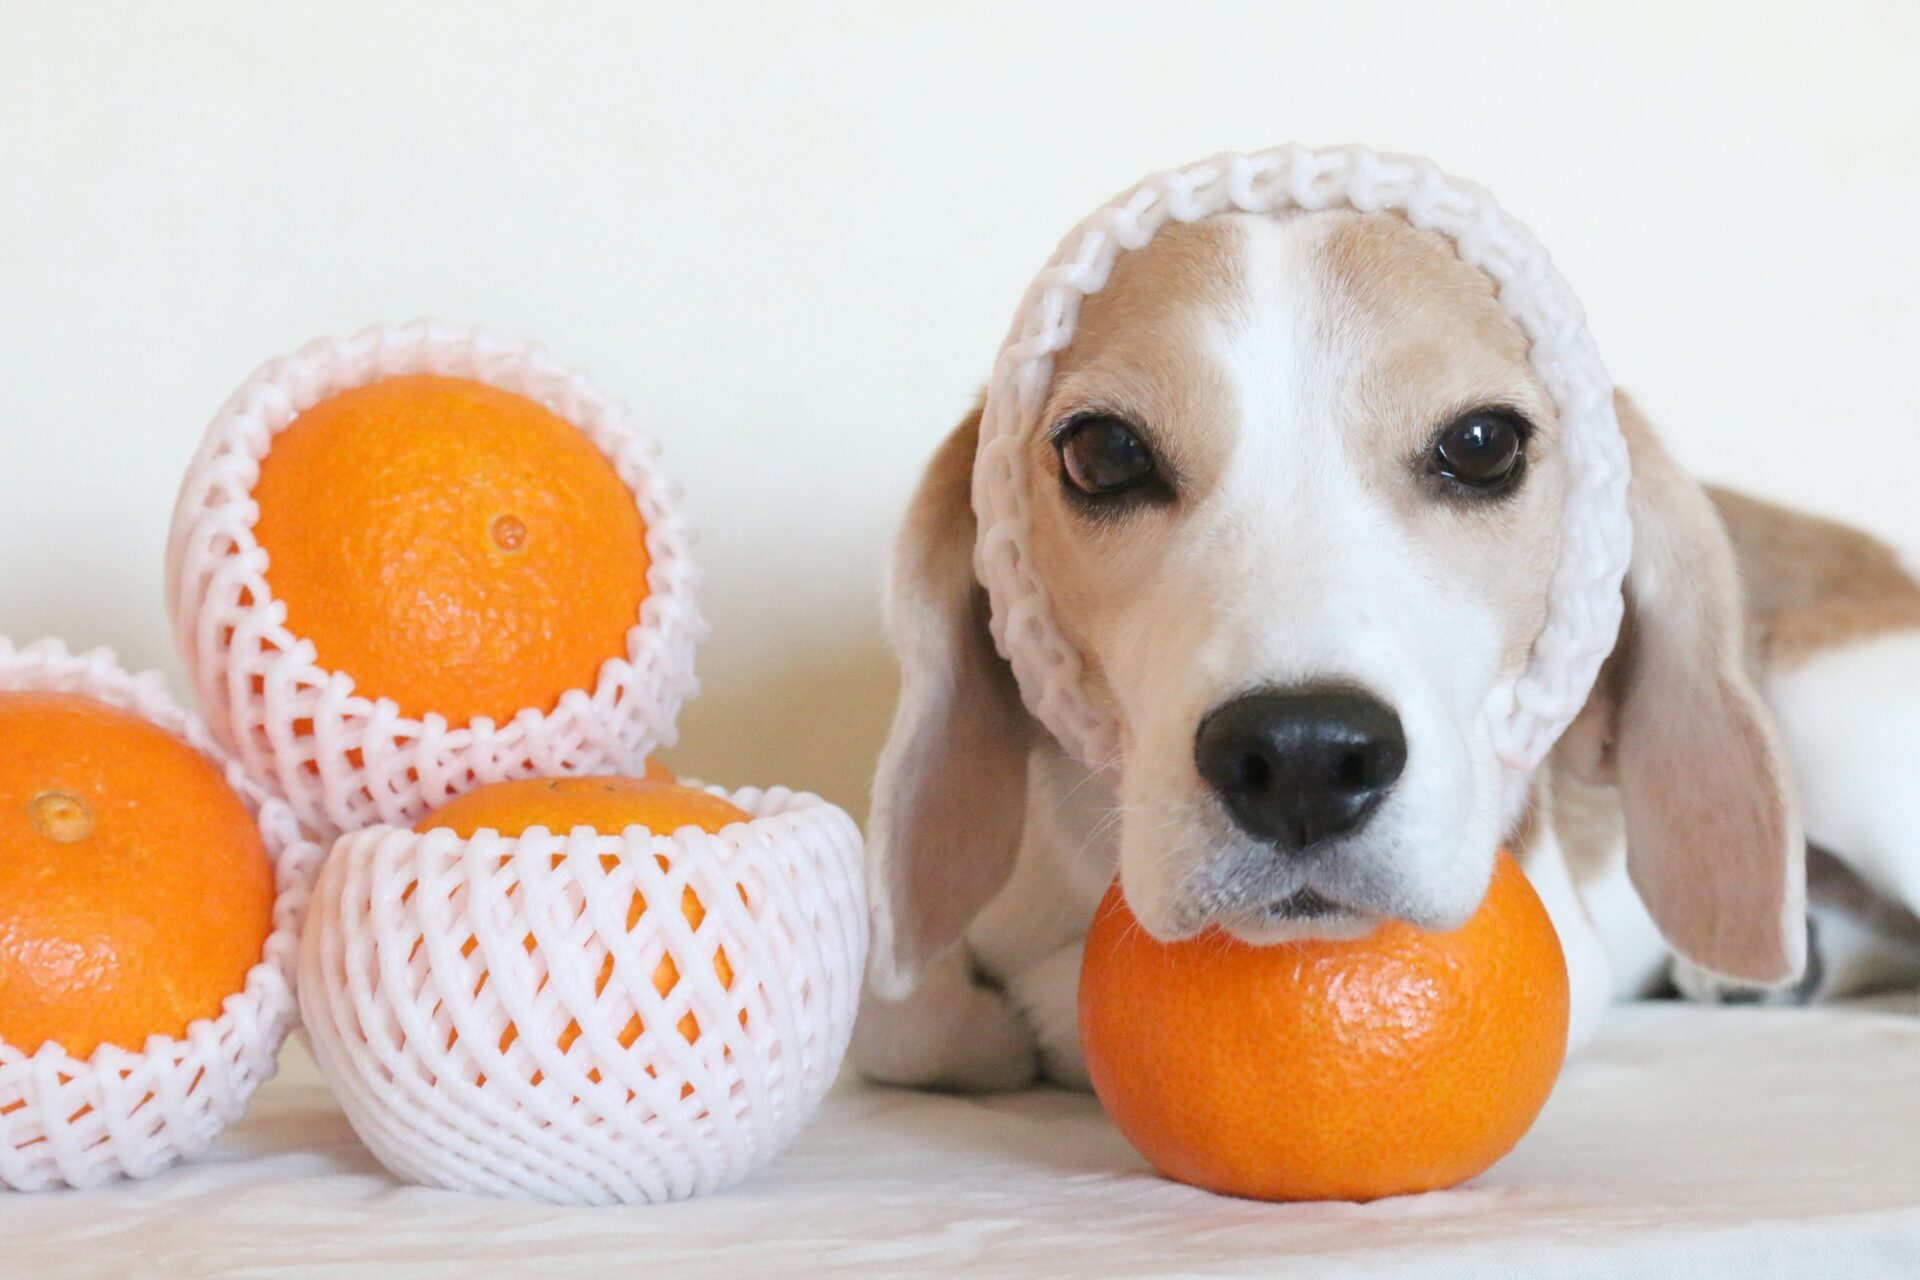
point(1585, 608)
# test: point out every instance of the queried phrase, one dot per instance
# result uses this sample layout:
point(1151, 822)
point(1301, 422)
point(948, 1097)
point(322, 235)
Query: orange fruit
point(135, 890)
point(1327, 1070)
point(608, 805)
point(451, 546)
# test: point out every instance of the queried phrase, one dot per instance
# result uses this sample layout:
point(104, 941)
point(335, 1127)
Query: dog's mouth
point(1305, 904)
point(1304, 913)
point(1251, 894)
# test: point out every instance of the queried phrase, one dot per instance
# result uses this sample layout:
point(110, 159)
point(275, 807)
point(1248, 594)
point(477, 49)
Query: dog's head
point(1296, 505)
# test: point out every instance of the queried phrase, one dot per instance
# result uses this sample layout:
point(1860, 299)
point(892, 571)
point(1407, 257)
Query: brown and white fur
point(1291, 372)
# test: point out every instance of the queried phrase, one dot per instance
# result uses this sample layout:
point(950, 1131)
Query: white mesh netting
point(468, 999)
point(1584, 611)
point(125, 1113)
point(344, 761)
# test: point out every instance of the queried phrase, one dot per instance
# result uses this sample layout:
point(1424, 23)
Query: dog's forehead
point(1366, 298)
point(1386, 326)
point(1417, 320)
point(1395, 274)
point(1159, 304)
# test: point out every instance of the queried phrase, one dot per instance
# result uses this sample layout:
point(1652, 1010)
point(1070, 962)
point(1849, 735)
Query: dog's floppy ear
point(949, 797)
point(1714, 845)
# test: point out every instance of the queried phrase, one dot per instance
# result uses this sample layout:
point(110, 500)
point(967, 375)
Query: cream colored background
point(791, 235)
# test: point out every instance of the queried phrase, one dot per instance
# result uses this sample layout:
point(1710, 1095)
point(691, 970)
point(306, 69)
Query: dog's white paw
point(951, 1032)
point(1048, 995)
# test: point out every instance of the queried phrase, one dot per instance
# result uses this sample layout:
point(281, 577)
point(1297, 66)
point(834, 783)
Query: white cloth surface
point(1687, 1142)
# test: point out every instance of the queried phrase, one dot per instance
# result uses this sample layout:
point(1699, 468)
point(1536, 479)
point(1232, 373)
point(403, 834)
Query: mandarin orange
point(1319, 1070)
point(608, 805)
point(451, 546)
point(135, 889)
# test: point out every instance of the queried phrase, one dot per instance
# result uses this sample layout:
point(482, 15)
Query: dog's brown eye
point(1484, 450)
point(1101, 455)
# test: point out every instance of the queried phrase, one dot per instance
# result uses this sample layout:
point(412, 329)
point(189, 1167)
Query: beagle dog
point(1298, 511)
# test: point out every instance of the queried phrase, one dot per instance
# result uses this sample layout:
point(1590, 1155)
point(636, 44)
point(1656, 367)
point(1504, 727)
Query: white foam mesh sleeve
point(440, 978)
point(345, 761)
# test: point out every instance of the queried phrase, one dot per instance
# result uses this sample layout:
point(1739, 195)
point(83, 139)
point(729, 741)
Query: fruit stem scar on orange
point(61, 816)
point(509, 532)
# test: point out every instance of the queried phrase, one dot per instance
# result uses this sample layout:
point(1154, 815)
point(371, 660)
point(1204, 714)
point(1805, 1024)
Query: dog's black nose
point(1297, 767)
